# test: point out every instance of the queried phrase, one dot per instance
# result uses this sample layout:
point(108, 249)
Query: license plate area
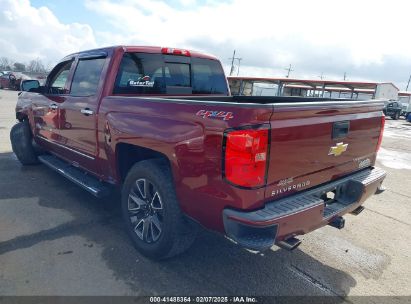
point(340, 197)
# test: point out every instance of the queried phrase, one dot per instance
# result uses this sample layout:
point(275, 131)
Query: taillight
point(245, 159)
point(179, 52)
point(381, 133)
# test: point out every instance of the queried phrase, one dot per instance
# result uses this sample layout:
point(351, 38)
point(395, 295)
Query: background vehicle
point(393, 109)
point(406, 109)
point(159, 124)
point(12, 80)
point(9, 81)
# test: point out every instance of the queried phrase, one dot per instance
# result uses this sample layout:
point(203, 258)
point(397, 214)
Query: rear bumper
point(391, 112)
point(300, 213)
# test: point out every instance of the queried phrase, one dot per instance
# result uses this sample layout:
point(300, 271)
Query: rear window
point(142, 73)
point(208, 77)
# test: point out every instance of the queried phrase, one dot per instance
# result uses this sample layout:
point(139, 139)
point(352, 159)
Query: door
point(78, 113)
point(46, 106)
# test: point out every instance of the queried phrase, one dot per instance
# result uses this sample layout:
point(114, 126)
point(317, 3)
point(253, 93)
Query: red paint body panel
point(192, 144)
point(300, 138)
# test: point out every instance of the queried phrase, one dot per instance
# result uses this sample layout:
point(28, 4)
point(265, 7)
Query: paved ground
point(56, 239)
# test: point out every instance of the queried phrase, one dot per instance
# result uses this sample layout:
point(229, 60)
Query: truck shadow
point(213, 265)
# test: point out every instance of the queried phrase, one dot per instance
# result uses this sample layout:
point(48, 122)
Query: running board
point(77, 176)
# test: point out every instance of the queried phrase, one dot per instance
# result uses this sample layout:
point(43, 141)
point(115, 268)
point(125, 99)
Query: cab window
point(59, 77)
point(141, 73)
point(208, 77)
point(87, 77)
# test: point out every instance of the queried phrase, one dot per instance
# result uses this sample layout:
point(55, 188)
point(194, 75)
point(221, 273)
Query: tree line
point(33, 66)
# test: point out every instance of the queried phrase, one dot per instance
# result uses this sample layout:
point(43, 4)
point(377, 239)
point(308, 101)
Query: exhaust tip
point(289, 244)
point(338, 222)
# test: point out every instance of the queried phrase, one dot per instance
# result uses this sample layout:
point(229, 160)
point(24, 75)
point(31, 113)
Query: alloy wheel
point(145, 209)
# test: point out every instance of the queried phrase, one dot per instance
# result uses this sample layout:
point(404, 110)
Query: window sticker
point(141, 82)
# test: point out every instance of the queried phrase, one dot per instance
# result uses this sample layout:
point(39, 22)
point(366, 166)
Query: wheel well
point(128, 155)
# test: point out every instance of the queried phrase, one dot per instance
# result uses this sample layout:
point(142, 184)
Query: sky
point(367, 40)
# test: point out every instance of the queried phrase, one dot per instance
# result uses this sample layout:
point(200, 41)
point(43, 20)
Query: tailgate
point(314, 143)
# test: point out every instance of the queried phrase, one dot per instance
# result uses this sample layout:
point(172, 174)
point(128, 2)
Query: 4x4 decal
point(215, 114)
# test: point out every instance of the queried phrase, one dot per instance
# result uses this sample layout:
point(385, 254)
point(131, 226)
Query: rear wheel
point(151, 211)
point(21, 143)
point(396, 116)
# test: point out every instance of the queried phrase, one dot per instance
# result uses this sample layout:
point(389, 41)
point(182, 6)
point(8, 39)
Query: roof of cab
point(142, 49)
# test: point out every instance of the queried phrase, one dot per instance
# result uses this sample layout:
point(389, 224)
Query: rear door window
point(140, 73)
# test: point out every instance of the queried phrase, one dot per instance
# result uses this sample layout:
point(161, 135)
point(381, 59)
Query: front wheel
point(151, 211)
point(21, 143)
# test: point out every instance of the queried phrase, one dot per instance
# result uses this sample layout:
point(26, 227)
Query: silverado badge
point(339, 149)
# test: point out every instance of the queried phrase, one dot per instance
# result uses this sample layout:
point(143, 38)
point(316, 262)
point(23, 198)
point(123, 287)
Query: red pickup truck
point(160, 125)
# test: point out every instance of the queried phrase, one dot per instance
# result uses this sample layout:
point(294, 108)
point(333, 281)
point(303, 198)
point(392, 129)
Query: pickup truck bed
point(261, 170)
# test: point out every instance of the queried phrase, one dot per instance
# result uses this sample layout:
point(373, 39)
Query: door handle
point(87, 111)
point(53, 106)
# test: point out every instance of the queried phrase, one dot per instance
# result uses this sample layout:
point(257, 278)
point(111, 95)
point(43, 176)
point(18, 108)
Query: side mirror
point(30, 86)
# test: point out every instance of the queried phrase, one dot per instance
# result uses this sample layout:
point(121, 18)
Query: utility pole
point(289, 70)
point(239, 63)
point(409, 79)
point(345, 75)
point(232, 64)
point(321, 76)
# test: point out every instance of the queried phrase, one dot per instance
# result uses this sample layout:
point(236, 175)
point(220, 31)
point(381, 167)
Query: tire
point(151, 211)
point(21, 143)
point(395, 116)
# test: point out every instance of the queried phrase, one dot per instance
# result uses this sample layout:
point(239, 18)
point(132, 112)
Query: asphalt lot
point(56, 239)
